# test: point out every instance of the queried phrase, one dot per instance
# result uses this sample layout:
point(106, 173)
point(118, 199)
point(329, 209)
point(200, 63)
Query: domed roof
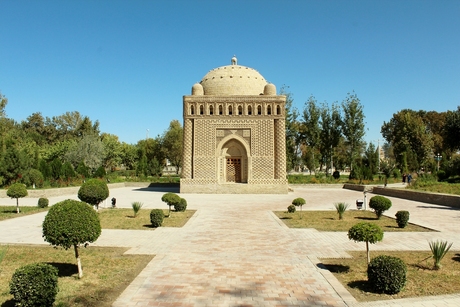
point(233, 80)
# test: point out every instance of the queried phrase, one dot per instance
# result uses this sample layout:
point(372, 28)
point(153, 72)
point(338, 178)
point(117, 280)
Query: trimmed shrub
point(156, 217)
point(93, 192)
point(336, 174)
point(70, 223)
point(43, 202)
point(402, 217)
point(380, 204)
point(171, 199)
point(387, 274)
point(34, 285)
point(17, 190)
point(366, 232)
point(36, 177)
point(291, 209)
point(181, 206)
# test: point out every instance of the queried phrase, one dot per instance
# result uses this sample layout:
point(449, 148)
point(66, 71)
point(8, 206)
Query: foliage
point(311, 119)
point(35, 285)
point(13, 165)
point(17, 190)
point(36, 177)
point(353, 127)
point(291, 209)
point(380, 204)
point(402, 218)
point(293, 135)
point(71, 223)
point(100, 172)
point(156, 217)
point(43, 202)
point(452, 129)
point(181, 206)
point(299, 202)
point(387, 274)
point(93, 192)
point(172, 144)
point(331, 132)
point(171, 199)
point(439, 249)
point(341, 208)
point(88, 149)
point(366, 232)
point(136, 207)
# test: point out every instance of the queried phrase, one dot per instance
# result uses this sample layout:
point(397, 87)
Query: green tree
point(88, 149)
point(36, 177)
point(172, 144)
point(380, 204)
point(353, 126)
point(366, 232)
point(17, 190)
point(452, 130)
point(3, 103)
point(128, 155)
point(93, 192)
point(171, 199)
point(112, 151)
point(13, 166)
point(330, 132)
point(312, 130)
point(299, 202)
point(71, 223)
point(293, 135)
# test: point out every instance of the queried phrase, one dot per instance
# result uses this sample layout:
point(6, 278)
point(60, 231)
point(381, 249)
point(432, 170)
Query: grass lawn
point(422, 280)
point(329, 220)
point(9, 212)
point(107, 272)
point(124, 218)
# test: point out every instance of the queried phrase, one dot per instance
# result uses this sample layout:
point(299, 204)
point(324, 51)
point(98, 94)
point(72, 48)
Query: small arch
point(201, 110)
point(211, 110)
point(192, 110)
point(240, 110)
point(269, 110)
point(230, 110)
point(259, 110)
point(278, 110)
point(249, 110)
point(220, 109)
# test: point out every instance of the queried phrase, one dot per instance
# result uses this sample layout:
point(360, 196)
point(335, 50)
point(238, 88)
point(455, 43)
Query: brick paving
point(235, 252)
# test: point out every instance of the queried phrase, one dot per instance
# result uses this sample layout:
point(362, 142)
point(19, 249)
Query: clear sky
point(128, 63)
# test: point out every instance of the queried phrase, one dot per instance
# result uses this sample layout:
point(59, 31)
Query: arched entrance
point(234, 162)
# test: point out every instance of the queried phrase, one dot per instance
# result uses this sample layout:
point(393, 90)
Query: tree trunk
point(368, 254)
point(17, 205)
point(80, 270)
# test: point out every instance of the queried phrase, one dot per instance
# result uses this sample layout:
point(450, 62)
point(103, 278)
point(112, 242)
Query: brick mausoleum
point(234, 134)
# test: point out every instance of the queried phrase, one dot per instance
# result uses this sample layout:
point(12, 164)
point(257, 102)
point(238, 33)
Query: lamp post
point(438, 158)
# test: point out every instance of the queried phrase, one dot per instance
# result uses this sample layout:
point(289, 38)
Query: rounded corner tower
point(234, 134)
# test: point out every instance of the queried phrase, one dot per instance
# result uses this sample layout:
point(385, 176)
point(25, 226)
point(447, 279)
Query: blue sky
point(128, 63)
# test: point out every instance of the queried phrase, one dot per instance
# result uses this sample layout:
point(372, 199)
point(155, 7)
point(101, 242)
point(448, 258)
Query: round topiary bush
point(402, 218)
point(34, 285)
point(291, 209)
point(380, 204)
point(93, 192)
point(17, 190)
point(181, 206)
point(387, 274)
point(70, 223)
point(156, 217)
point(43, 202)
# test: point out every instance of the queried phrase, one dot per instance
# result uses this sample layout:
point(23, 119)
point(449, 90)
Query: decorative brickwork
point(234, 143)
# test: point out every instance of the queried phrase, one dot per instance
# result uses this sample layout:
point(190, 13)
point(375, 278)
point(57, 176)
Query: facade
point(234, 134)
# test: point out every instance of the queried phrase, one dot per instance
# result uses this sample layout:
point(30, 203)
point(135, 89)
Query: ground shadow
point(337, 268)
point(153, 187)
point(441, 207)
point(65, 269)
point(362, 285)
point(9, 211)
point(149, 226)
point(456, 257)
point(8, 303)
point(366, 218)
point(286, 218)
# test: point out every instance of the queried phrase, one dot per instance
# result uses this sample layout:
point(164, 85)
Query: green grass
point(437, 187)
point(107, 272)
point(422, 280)
point(125, 219)
point(9, 212)
point(329, 220)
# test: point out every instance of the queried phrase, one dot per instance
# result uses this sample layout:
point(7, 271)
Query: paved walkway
point(235, 252)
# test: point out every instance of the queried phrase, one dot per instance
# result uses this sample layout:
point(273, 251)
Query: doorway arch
point(233, 160)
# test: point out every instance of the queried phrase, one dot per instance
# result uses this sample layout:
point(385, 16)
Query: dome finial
point(234, 60)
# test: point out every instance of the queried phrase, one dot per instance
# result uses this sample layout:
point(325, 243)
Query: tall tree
point(353, 126)
point(312, 131)
point(330, 132)
point(89, 149)
point(293, 136)
point(172, 144)
point(410, 139)
point(452, 129)
point(3, 103)
point(112, 150)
